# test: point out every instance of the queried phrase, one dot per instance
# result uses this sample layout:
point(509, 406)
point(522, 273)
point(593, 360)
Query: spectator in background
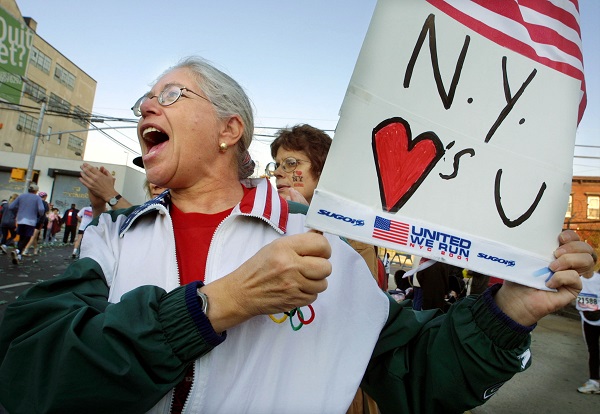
point(101, 186)
point(479, 282)
point(85, 217)
point(70, 221)
point(50, 208)
point(458, 288)
point(42, 222)
point(434, 286)
point(28, 208)
point(3, 205)
point(299, 153)
point(404, 287)
point(387, 263)
point(153, 190)
point(54, 225)
point(382, 275)
point(8, 225)
point(588, 305)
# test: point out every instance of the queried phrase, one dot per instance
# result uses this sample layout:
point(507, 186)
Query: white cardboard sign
point(450, 145)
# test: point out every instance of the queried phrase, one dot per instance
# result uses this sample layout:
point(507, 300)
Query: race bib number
point(588, 301)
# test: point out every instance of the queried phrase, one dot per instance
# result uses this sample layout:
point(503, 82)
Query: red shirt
point(193, 234)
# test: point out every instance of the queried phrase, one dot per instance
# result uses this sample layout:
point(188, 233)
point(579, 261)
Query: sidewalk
point(559, 366)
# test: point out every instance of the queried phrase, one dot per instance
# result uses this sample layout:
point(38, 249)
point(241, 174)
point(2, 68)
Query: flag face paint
point(459, 126)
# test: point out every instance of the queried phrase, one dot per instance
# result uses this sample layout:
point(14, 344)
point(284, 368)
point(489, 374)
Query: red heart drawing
point(402, 163)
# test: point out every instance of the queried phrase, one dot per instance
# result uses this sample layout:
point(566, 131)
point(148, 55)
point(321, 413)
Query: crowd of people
point(215, 297)
point(28, 217)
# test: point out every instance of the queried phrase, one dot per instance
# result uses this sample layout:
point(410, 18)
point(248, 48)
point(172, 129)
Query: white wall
point(129, 181)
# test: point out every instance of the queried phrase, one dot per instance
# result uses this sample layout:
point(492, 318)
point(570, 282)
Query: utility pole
point(36, 141)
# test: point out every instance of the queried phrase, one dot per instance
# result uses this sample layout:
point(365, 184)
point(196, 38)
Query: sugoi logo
point(509, 263)
point(350, 220)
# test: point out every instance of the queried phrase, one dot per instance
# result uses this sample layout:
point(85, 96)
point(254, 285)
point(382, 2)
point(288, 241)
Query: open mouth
point(153, 136)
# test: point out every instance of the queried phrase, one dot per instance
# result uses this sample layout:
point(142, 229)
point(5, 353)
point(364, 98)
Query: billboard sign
point(16, 40)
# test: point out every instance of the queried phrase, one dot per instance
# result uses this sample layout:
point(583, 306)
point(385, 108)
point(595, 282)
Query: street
point(549, 386)
point(559, 366)
point(50, 262)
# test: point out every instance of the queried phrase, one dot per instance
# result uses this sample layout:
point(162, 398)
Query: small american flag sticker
point(390, 230)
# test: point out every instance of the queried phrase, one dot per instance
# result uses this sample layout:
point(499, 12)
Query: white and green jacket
point(116, 332)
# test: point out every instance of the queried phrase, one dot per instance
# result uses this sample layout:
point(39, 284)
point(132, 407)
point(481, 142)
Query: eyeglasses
point(167, 97)
point(288, 165)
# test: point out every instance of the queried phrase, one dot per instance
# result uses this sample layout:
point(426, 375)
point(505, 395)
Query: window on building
point(593, 207)
point(75, 144)
point(58, 104)
point(34, 91)
point(81, 116)
point(40, 60)
point(27, 124)
point(64, 76)
point(569, 207)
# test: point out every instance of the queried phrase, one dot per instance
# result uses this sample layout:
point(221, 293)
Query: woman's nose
point(150, 105)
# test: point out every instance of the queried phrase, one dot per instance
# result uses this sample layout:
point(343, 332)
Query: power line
point(116, 141)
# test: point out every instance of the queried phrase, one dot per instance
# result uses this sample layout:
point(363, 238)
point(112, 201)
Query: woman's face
point(301, 179)
point(179, 141)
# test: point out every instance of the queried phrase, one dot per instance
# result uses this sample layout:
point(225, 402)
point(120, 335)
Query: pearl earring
point(223, 147)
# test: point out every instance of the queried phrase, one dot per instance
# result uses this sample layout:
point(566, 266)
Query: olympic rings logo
point(298, 313)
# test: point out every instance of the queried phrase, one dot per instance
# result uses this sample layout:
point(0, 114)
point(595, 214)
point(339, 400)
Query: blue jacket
point(28, 207)
point(8, 216)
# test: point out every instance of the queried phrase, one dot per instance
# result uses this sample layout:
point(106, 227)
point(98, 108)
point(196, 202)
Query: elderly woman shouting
point(177, 305)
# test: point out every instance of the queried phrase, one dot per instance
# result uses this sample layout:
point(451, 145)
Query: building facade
point(583, 212)
point(34, 74)
point(38, 83)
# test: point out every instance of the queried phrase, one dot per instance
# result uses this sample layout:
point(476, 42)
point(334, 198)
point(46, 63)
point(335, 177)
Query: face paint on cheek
point(297, 179)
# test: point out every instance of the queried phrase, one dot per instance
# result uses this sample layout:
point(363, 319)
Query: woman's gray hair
point(228, 98)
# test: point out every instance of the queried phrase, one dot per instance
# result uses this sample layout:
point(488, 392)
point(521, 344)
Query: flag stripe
point(546, 31)
point(559, 13)
point(545, 34)
point(396, 234)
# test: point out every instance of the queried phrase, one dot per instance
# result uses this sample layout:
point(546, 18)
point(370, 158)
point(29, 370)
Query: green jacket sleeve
point(429, 362)
point(62, 335)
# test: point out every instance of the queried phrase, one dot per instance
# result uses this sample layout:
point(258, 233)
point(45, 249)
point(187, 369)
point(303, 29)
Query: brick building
point(583, 212)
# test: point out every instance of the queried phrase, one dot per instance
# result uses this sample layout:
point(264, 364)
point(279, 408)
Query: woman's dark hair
point(312, 141)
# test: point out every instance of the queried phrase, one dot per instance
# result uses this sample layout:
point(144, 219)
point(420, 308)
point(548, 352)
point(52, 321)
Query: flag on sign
point(390, 230)
point(546, 31)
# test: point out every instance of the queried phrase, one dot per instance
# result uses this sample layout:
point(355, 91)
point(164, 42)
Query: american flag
point(390, 230)
point(546, 31)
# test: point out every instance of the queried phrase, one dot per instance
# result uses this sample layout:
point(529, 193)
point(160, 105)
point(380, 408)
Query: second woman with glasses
point(299, 155)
